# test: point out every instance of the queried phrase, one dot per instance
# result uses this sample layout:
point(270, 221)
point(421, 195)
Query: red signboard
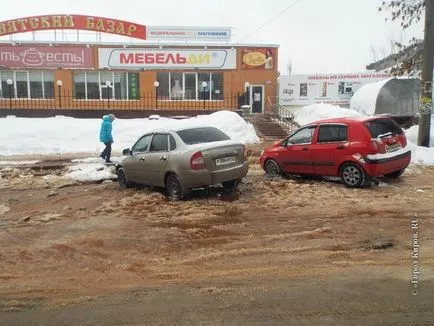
point(79, 22)
point(46, 57)
point(259, 58)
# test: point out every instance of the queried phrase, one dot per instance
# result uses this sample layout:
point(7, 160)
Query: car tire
point(395, 175)
point(122, 178)
point(352, 175)
point(271, 168)
point(231, 185)
point(173, 187)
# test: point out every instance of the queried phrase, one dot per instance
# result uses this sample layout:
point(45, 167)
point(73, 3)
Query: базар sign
point(79, 22)
point(129, 58)
point(46, 57)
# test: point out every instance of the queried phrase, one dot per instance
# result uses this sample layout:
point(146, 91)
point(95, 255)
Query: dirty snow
point(88, 172)
point(62, 134)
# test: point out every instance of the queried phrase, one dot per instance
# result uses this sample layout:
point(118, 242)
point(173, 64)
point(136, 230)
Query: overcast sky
point(318, 36)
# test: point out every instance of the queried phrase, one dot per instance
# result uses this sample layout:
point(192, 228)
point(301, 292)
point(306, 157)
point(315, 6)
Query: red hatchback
point(355, 149)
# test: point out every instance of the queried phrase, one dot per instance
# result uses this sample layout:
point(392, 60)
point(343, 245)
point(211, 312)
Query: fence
point(146, 101)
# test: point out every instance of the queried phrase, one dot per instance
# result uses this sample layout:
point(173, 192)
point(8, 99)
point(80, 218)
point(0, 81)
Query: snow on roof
point(321, 111)
point(365, 98)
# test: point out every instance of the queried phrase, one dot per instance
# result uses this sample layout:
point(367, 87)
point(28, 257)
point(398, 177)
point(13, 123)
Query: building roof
point(144, 44)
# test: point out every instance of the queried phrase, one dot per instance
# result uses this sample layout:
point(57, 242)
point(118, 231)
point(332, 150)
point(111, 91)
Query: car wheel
point(352, 175)
point(231, 185)
point(173, 187)
point(271, 168)
point(122, 178)
point(395, 174)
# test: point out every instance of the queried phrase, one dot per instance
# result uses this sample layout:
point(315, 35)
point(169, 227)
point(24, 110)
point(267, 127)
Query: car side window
point(159, 143)
point(332, 133)
point(172, 143)
point(142, 144)
point(303, 136)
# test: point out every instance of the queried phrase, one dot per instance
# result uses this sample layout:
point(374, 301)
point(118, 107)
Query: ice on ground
point(62, 134)
point(10, 163)
point(320, 111)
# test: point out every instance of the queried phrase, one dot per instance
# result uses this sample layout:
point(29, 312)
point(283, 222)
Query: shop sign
point(258, 58)
point(78, 22)
point(188, 33)
point(139, 58)
point(46, 57)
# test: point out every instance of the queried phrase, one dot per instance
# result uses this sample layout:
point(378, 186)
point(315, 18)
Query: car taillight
point(376, 146)
point(197, 161)
point(245, 153)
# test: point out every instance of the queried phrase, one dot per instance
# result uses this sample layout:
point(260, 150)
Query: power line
point(271, 19)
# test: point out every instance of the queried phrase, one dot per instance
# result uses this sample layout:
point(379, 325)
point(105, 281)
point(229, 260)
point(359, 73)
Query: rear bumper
point(201, 178)
point(383, 165)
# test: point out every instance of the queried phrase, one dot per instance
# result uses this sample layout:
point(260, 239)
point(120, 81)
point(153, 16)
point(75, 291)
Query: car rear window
point(202, 135)
point(378, 127)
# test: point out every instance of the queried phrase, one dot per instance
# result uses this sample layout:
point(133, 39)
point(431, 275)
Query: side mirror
point(126, 152)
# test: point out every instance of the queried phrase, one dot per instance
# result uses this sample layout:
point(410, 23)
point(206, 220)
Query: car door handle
point(163, 158)
point(305, 149)
point(341, 147)
point(142, 158)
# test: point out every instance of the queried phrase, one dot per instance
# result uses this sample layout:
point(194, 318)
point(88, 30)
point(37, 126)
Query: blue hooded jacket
point(105, 134)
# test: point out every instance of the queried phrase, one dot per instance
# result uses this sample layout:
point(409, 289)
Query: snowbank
point(62, 134)
point(90, 169)
point(314, 112)
point(412, 133)
point(365, 98)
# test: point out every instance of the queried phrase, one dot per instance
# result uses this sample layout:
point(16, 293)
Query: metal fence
point(146, 101)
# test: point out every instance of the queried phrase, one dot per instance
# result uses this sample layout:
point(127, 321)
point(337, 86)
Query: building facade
point(82, 78)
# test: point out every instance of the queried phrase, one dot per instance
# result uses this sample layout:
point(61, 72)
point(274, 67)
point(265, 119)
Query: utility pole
point(427, 76)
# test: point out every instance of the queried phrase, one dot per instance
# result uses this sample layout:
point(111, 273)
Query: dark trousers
point(107, 152)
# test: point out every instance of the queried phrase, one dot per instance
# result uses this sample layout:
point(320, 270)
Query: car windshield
point(202, 135)
point(381, 127)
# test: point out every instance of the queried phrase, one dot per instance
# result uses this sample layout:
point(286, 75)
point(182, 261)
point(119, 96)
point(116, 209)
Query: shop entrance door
point(257, 98)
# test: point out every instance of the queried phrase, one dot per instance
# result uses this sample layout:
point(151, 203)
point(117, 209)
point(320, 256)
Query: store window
point(190, 86)
point(91, 85)
point(27, 84)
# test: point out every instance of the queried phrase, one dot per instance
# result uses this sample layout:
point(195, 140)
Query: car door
point(157, 157)
point(329, 147)
point(134, 165)
point(296, 156)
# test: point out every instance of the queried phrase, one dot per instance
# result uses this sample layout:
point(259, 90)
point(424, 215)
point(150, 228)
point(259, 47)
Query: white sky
point(319, 36)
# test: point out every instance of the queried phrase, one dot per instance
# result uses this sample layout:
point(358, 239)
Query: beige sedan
point(182, 159)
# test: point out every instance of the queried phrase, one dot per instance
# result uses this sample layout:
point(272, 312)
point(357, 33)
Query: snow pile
point(412, 133)
point(365, 98)
point(314, 112)
point(85, 172)
point(62, 134)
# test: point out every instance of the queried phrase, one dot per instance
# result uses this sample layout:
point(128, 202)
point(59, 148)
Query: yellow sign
point(254, 59)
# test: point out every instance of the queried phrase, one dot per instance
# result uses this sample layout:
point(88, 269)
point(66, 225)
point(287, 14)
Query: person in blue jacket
point(105, 136)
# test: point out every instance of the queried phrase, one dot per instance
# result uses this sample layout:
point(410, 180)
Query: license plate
point(225, 160)
point(393, 147)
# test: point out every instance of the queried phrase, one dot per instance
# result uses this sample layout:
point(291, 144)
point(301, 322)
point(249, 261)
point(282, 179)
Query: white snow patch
point(365, 98)
point(62, 134)
point(86, 172)
point(320, 111)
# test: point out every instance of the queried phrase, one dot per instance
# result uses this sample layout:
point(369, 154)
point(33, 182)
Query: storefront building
point(82, 78)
